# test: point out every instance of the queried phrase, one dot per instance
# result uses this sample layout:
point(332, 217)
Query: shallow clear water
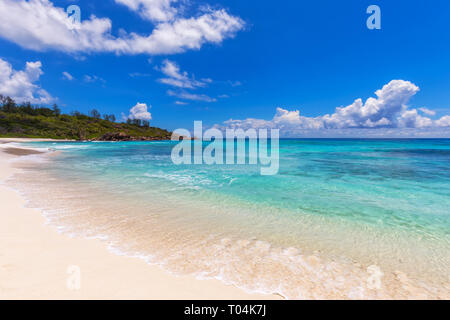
point(337, 211)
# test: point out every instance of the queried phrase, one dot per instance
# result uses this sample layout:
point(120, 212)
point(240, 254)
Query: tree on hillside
point(56, 110)
point(94, 114)
point(27, 108)
point(9, 105)
point(109, 117)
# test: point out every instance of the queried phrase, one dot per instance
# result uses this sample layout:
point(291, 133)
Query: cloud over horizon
point(140, 112)
point(389, 110)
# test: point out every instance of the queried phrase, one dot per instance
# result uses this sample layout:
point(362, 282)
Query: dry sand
point(37, 262)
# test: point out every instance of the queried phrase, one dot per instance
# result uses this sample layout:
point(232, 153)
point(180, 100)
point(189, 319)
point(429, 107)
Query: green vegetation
point(28, 121)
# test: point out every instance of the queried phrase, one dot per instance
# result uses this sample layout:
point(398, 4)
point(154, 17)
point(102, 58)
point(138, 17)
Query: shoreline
point(38, 262)
point(173, 239)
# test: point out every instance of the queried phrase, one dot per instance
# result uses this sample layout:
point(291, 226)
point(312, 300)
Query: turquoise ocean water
point(343, 218)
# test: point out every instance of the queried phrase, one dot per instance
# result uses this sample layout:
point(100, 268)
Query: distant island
point(29, 121)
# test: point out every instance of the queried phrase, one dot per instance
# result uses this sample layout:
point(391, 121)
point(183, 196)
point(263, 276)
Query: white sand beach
point(36, 261)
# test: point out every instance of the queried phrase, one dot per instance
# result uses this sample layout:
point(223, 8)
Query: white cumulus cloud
point(388, 110)
point(22, 85)
point(184, 82)
point(39, 25)
point(153, 10)
point(443, 122)
point(140, 112)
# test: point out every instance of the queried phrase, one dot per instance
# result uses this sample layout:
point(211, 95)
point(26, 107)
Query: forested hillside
point(26, 120)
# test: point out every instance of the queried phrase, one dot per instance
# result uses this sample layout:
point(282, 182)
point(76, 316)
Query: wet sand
point(37, 262)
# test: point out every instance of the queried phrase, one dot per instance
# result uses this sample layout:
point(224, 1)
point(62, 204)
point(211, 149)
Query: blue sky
point(311, 56)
